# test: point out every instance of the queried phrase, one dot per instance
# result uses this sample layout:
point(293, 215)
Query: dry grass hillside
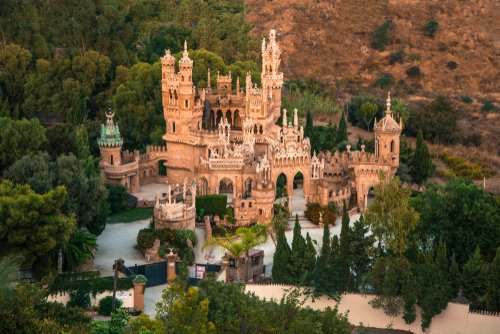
point(330, 40)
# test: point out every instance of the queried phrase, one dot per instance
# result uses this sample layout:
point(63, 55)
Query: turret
point(110, 142)
point(387, 134)
point(272, 78)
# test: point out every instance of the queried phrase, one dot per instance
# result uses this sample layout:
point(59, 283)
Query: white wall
point(127, 297)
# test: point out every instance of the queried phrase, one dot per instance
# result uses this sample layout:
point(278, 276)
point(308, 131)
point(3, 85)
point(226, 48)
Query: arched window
point(392, 146)
point(111, 159)
point(186, 103)
point(173, 127)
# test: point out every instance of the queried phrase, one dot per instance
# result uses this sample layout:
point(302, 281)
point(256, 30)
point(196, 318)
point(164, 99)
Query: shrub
point(466, 99)
point(431, 28)
point(106, 304)
point(472, 140)
point(415, 57)
point(396, 57)
point(313, 210)
point(414, 72)
point(230, 215)
point(79, 298)
point(382, 35)
point(488, 106)
point(464, 168)
point(385, 80)
point(452, 65)
point(212, 204)
point(117, 198)
point(146, 238)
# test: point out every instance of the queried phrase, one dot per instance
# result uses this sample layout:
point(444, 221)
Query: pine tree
point(297, 260)
point(422, 166)
point(474, 279)
point(344, 263)
point(454, 275)
point(342, 134)
point(281, 259)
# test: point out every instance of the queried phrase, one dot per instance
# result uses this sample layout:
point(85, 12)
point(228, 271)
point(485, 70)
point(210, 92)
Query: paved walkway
point(148, 192)
point(118, 241)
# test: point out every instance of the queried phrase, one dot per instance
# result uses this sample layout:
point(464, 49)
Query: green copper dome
point(110, 133)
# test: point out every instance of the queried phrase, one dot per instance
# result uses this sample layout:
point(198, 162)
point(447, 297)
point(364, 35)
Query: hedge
point(212, 204)
point(88, 282)
point(313, 210)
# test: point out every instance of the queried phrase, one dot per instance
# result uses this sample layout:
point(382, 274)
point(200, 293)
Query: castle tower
point(387, 133)
point(110, 143)
point(186, 89)
point(272, 78)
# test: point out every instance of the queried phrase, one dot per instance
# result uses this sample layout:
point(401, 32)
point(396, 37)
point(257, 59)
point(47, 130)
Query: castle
point(225, 140)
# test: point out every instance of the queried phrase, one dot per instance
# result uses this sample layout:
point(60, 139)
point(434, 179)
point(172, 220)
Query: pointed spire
point(208, 79)
point(388, 104)
point(185, 55)
point(237, 86)
point(295, 118)
point(284, 117)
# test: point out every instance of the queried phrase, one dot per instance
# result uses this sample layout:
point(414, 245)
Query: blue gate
point(156, 273)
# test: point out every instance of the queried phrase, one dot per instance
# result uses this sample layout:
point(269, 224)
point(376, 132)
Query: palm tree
point(240, 242)
point(79, 249)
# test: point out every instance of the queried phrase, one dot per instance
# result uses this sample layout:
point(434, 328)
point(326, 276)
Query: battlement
point(156, 148)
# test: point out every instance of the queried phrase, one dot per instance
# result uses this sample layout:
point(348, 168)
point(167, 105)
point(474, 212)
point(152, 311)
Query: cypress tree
point(344, 263)
point(281, 258)
point(494, 291)
point(474, 279)
point(422, 166)
point(360, 244)
point(441, 258)
point(309, 258)
point(454, 276)
point(330, 138)
point(342, 134)
point(321, 280)
point(297, 260)
point(309, 129)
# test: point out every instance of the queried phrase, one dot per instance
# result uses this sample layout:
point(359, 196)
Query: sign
point(122, 295)
point(200, 271)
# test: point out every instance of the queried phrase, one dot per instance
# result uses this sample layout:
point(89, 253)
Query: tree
point(281, 260)
point(309, 129)
point(455, 276)
point(14, 63)
point(297, 262)
point(330, 140)
point(309, 258)
point(79, 249)
point(494, 283)
point(19, 138)
point(82, 143)
point(186, 314)
point(344, 256)
point(361, 245)
point(342, 134)
point(475, 279)
point(422, 166)
point(390, 216)
point(321, 279)
point(239, 243)
point(31, 224)
point(463, 215)
point(368, 111)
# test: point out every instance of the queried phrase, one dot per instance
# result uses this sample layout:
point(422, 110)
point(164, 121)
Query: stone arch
point(229, 117)
point(219, 117)
point(281, 185)
point(255, 128)
point(260, 129)
point(237, 120)
point(248, 187)
point(226, 186)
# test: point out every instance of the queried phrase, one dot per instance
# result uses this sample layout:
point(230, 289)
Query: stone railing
point(121, 169)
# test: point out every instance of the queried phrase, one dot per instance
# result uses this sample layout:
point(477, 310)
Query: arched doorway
point(281, 187)
point(226, 188)
point(248, 188)
point(237, 120)
point(219, 118)
point(298, 203)
point(229, 117)
point(162, 170)
point(202, 187)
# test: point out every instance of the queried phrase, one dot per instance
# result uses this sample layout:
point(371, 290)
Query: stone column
point(171, 260)
point(139, 283)
point(225, 266)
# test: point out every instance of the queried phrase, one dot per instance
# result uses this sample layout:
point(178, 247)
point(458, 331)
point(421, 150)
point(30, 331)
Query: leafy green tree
point(463, 215)
point(31, 224)
point(14, 63)
point(390, 217)
point(475, 279)
point(344, 250)
point(281, 259)
point(455, 276)
point(79, 249)
point(342, 134)
point(19, 138)
point(422, 166)
point(82, 143)
point(368, 111)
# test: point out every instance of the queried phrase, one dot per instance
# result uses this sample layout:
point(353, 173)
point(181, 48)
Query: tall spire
point(284, 117)
point(185, 55)
point(388, 104)
point(208, 80)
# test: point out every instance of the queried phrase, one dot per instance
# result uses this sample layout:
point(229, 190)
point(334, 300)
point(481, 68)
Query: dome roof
point(387, 123)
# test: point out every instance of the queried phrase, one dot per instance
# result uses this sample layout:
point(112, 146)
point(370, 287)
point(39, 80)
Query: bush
point(464, 168)
point(452, 65)
point(313, 210)
point(466, 99)
point(414, 72)
point(488, 106)
point(472, 140)
point(385, 80)
point(382, 35)
point(118, 197)
point(431, 28)
point(396, 57)
point(146, 238)
point(105, 305)
point(212, 204)
point(79, 298)
point(415, 57)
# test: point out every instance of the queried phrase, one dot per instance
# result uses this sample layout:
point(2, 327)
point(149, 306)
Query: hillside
point(330, 40)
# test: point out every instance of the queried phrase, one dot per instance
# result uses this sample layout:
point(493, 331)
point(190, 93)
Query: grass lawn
point(128, 216)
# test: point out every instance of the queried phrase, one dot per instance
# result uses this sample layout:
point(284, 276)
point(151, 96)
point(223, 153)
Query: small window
point(173, 127)
point(249, 204)
point(242, 204)
point(260, 212)
point(186, 103)
point(255, 261)
point(111, 159)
